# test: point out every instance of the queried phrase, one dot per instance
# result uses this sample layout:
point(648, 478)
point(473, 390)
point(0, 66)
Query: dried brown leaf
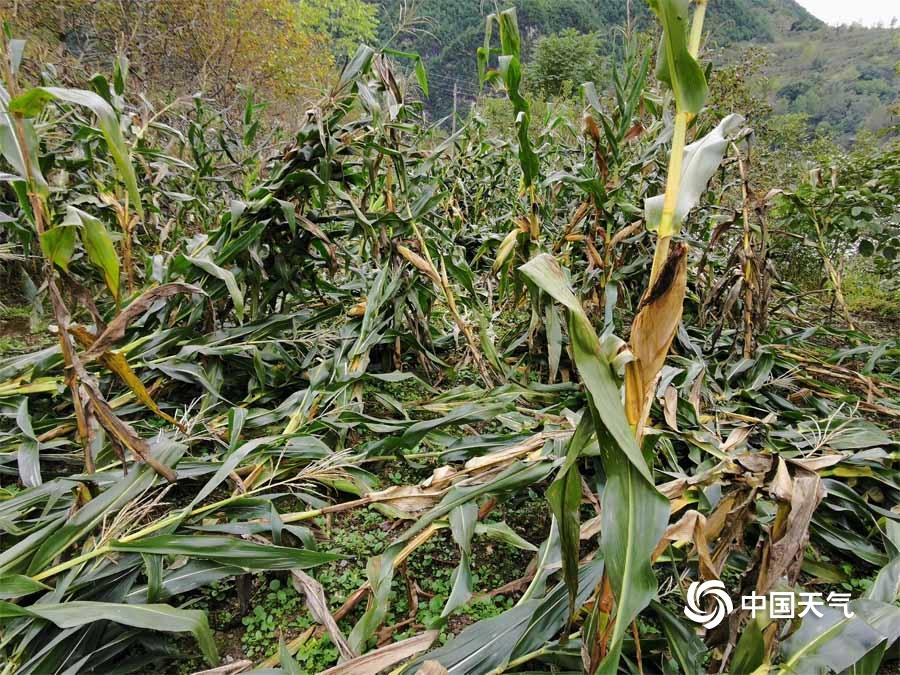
point(318, 607)
point(228, 668)
point(786, 554)
point(670, 407)
point(755, 462)
point(380, 659)
point(121, 431)
point(691, 527)
point(782, 485)
point(657, 319)
point(420, 263)
point(408, 498)
point(735, 439)
point(117, 327)
point(817, 463)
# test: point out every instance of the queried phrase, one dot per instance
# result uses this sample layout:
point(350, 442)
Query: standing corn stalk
point(660, 310)
point(748, 262)
point(633, 512)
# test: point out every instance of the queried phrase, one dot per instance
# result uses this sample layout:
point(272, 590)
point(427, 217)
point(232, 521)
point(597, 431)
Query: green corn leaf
point(58, 245)
point(503, 532)
point(120, 73)
point(486, 645)
point(360, 62)
point(858, 643)
point(834, 642)
point(885, 588)
point(509, 71)
point(686, 647)
point(510, 40)
point(99, 246)
point(750, 652)
point(380, 569)
point(29, 455)
point(246, 554)
point(551, 615)
point(564, 495)
point(598, 379)
point(462, 527)
point(288, 665)
point(17, 585)
point(150, 617)
point(32, 102)
point(419, 65)
point(195, 574)
point(491, 643)
point(674, 64)
point(634, 513)
point(633, 520)
point(103, 506)
point(13, 153)
point(208, 266)
point(380, 574)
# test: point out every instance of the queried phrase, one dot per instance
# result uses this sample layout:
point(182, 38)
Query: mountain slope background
point(842, 79)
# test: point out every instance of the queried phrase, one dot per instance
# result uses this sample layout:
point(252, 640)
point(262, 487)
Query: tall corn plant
point(508, 76)
point(634, 513)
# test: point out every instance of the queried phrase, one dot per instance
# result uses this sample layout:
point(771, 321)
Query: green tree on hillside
point(564, 60)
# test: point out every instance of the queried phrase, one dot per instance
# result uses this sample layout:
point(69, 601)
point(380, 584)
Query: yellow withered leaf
point(420, 263)
point(358, 310)
point(118, 364)
point(506, 247)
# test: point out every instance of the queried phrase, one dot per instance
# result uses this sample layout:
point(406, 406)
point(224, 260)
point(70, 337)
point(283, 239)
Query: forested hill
point(849, 85)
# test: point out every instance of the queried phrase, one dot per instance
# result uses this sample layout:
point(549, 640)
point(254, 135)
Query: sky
point(866, 12)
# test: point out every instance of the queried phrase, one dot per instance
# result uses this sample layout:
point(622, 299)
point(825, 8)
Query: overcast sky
point(866, 12)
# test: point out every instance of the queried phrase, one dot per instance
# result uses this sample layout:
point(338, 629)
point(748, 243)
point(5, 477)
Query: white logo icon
point(714, 589)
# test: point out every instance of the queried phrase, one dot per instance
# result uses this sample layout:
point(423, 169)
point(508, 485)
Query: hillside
point(844, 78)
point(847, 87)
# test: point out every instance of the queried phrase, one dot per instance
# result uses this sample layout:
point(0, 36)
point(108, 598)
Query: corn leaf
point(462, 527)
point(834, 642)
point(686, 647)
point(58, 244)
point(99, 246)
point(164, 618)
point(674, 64)
point(701, 160)
point(17, 585)
point(32, 102)
point(208, 266)
point(634, 513)
point(564, 496)
point(246, 554)
point(14, 153)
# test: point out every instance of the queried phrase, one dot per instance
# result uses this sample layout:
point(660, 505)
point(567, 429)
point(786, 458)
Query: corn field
point(374, 396)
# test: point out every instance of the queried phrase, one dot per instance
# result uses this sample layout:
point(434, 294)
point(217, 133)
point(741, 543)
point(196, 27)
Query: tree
point(347, 23)
point(563, 61)
point(284, 49)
